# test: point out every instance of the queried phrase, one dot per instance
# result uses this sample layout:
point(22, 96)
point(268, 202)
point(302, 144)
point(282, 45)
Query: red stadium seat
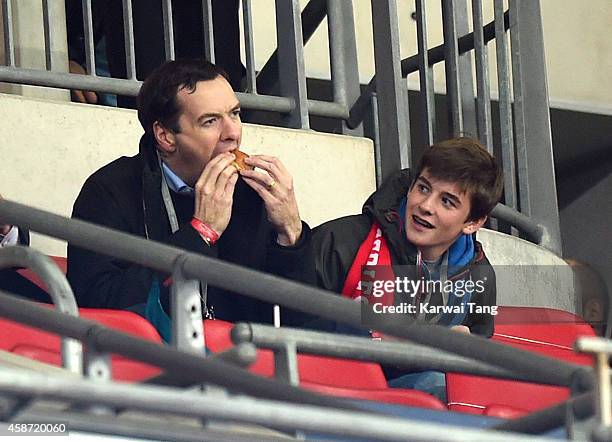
point(541, 330)
point(338, 372)
point(61, 262)
point(45, 347)
point(397, 396)
point(332, 376)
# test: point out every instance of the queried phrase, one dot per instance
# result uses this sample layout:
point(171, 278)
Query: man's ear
point(473, 226)
point(165, 138)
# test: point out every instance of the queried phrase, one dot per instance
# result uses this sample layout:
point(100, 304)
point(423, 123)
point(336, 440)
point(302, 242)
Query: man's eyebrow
point(217, 114)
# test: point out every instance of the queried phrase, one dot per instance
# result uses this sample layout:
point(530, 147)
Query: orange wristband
point(207, 233)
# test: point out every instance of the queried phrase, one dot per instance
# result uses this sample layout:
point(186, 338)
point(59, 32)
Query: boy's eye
point(422, 188)
point(448, 202)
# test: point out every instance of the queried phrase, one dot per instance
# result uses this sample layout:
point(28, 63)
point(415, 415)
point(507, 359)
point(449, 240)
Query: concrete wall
point(50, 148)
point(528, 275)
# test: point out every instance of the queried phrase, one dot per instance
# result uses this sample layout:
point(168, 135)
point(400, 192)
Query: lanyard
point(165, 191)
point(443, 278)
point(174, 226)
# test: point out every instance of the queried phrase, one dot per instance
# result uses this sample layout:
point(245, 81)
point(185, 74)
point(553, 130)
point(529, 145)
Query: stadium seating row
point(546, 331)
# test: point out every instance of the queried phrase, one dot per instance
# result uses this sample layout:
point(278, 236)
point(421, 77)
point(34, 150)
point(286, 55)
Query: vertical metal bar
point(9, 41)
point(186, 311)
point(291, 60)
point(47, 35)
point(466, 75)
point(451, 65)
point(505, 107)
point(390, 87)
point(483, 100)
point(128, 32)
point(249, 47)
point(376, 139)
point(425, 75)
point(207, 26)
point(536, 171)
point(603, 388)
point(90, 58)
point(168, 30)
point(97, 365)
point(285, 364)
point(343, 57)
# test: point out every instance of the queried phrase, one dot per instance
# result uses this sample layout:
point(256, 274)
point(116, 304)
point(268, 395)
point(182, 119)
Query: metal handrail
point(398, 353)
point(59, 290)
point(174, 361)
point(411, 64)
point(353, 424)
point(276, 290)
point(312, 16)
point(535, 232)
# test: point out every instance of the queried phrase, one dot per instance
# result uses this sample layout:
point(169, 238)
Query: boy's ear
point(165, 138)
point(473, 226)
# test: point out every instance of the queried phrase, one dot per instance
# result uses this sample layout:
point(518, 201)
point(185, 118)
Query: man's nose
point(231, 128)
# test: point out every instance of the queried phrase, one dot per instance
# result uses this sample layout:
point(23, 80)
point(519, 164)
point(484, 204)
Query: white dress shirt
point(11, 238)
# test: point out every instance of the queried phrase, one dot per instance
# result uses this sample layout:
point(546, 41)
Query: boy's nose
point(426, 205)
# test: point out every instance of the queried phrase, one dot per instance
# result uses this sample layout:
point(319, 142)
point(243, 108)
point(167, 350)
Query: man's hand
point(276, 190)
point(214, 192)
point(461, 329)
point(78, 95)
point(4, 228)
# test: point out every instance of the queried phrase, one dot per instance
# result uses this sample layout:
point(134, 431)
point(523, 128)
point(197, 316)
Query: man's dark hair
point(465, 162)
point(157, 97)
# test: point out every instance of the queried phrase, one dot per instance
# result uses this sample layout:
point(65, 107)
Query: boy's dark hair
point(466, 162)
point(157, 97)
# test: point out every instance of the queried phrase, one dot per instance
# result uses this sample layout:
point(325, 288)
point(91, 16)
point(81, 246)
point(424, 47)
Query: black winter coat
point(125, 195)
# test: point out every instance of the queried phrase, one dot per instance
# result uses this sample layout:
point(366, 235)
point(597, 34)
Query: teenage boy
point(423, 224)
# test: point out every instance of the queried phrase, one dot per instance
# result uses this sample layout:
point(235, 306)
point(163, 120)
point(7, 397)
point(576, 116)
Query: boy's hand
point(461, 329)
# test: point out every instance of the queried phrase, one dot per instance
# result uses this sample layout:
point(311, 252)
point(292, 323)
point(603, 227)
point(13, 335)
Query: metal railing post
point(466, 78)
point(9, 38)
point(59, 291)
point(291, 61)
point(186, 311)
point(425, 75)
point(536, 172)
point(343, 57)
point(483, 93)
point(451, 67)
point(505, 107)
point(390, 88)
point(209, 38)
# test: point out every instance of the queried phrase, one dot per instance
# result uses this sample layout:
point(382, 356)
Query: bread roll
point(239, 163)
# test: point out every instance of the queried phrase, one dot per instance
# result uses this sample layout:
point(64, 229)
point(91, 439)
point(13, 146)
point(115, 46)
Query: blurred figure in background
point(187, 18)
point(591, 295)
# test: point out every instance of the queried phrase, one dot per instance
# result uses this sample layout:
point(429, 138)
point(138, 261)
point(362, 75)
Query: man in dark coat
point(182, 189)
